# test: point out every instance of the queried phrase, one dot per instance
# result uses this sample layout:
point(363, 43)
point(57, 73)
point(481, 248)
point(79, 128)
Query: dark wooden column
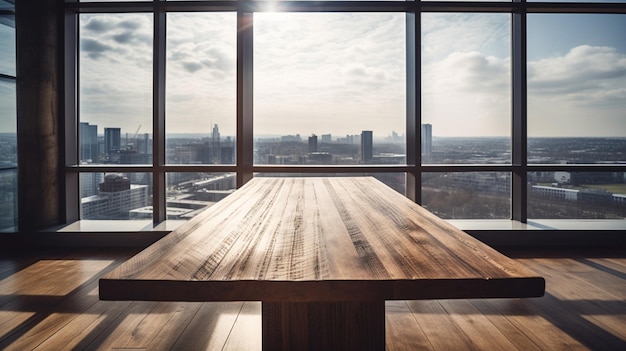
point(345, 326)
point(37, 30)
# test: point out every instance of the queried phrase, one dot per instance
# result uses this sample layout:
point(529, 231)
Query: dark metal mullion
point(583, 8)
point(159, 202)
point(413, 107)
point(245, 135)
point(70, 108)
point(519, 133)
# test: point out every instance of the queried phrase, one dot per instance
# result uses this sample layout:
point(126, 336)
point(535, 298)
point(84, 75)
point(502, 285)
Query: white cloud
point(584, 69)
point(116, 70)
point(581, 93)
point(201, 73)
point(341, 73)
point(329, 73)
point(443, 33)
point(466, 74)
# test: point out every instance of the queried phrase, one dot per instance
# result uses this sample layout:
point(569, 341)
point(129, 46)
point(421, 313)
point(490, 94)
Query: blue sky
point(577, 75)
point(341, 73)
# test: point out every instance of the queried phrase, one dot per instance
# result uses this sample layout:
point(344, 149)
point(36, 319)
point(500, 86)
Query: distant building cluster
point(128, 196)
point(111, 148)
point(117, 198)
point(583, 195)
point(326, 150)
point(565, 186)
point(212, 150)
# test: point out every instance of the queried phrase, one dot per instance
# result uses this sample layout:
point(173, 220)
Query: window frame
point(7, 77)
point(245, 167)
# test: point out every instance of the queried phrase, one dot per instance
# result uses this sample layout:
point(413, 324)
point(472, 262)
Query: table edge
point(320, 290)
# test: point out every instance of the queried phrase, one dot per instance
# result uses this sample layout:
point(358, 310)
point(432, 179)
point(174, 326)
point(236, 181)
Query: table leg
point(352, 325)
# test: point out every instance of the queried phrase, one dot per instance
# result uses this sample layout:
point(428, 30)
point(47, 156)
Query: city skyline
point(324, 135)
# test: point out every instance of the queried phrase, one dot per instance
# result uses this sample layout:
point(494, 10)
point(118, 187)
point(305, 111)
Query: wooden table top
point(317, 239)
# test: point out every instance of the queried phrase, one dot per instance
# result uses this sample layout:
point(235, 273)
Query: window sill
point(539, 224)
point(130, 226)
point(497, 233)
point(546, 232)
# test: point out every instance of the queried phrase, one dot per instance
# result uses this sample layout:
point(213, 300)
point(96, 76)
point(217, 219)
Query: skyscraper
point(427, 139)
point(88, 135)
point(313, 143)
point(215, 149)
point(367, 145)
point(112, 140)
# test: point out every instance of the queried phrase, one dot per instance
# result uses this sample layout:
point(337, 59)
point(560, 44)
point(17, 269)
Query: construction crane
point(134, 139)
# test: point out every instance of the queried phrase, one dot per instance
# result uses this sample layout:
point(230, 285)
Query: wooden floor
point(49, 301)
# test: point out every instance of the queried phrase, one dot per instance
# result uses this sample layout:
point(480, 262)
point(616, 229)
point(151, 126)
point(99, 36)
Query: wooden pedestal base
point(324, 325)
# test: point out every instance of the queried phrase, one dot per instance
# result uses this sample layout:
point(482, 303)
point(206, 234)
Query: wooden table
point(323, 255)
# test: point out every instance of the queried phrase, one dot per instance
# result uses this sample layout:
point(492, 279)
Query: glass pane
point(466, 87)
point(8, 124)
point(190, 193)
point(329, 88)
point(467, 195)
point(7, 44)
point(201, 88)
point(116, 196)
point(577, 195)
point(8, 200)
point(576, 86)
point(396, 181)
point(115, 76)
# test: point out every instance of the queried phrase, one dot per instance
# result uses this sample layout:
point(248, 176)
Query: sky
point(341, 73)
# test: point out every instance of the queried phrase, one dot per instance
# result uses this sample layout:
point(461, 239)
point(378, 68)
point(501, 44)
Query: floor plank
point(210, 327)
point(403, 333)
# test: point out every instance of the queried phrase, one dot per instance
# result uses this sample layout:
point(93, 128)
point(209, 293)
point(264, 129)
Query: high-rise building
point(88, 135)
point(367, 145)
point(427, 139)
point(144, 145)
point(112, 140)
point(215, 147)
point(227, 151)
point(327, 138)
point(313, 143)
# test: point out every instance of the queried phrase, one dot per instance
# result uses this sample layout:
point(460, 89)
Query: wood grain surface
point(317, 239)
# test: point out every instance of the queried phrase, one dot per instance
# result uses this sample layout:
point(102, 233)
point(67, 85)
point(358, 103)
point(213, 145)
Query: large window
point(201, 88)
point(476, 111)
point(8, 119)
point(466, 87)
point(576, 104)
point(325, 84)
